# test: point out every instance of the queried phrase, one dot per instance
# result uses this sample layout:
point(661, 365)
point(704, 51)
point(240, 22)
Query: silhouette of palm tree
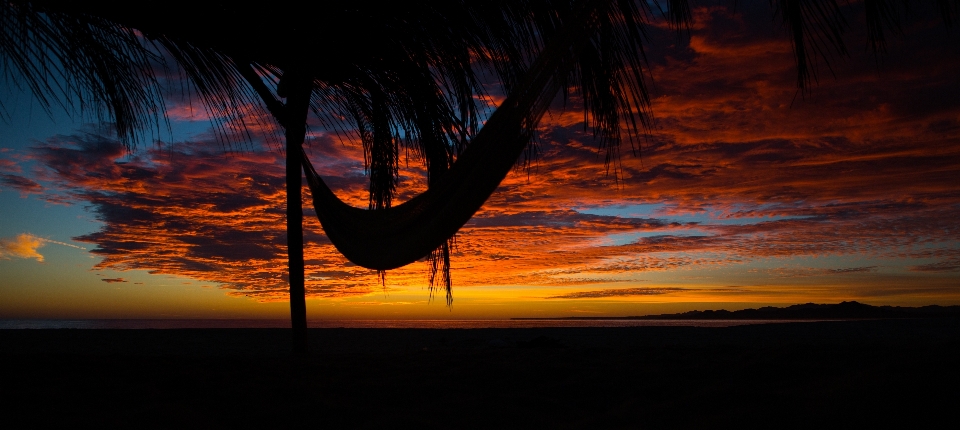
point(400, 75)
point(419, 83)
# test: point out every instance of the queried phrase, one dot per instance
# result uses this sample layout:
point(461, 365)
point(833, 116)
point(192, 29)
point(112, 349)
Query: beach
point(872, 373)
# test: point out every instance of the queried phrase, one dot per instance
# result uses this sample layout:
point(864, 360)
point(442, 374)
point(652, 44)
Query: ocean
point(398, 324)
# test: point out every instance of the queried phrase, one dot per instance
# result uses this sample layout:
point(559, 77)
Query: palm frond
point(816, 31)
point(948, 11)
point(882, 17)
point(82, 64)
point(678, 15)
point(233, 104)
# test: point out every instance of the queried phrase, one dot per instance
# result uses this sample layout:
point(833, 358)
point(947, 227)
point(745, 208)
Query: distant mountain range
point(843, 310)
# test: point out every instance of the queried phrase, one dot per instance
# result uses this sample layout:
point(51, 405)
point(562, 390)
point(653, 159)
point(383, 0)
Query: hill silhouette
point(814, 311)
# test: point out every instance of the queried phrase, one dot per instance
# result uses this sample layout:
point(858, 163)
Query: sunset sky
point(746, 193)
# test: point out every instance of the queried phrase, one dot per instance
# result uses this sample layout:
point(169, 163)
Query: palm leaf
point(82, 64)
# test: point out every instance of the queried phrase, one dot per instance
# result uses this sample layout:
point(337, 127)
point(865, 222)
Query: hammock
point(389, 238)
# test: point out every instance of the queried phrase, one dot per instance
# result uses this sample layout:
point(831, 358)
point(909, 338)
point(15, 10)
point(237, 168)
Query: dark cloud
point(852, 270)
point(940, 266)
point(114, 280)
point(20, 183)
point(188, 210)
point(742, 167)
point(620, 292)
point(561, 219)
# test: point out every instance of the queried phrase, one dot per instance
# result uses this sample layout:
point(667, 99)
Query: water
point(399, 324)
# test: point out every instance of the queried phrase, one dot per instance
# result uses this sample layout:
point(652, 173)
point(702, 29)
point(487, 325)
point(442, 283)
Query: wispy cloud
point(55, 242)
point(619, 292)
point(24, 185)
point(852, 270)
point(803, 272)
point(940, 266)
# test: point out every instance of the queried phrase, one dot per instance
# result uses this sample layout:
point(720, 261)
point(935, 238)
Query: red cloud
point(742, 169)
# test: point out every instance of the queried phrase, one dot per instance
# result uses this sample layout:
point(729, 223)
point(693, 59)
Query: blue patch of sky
point(709, 217)
point(618, 239)
point(187, 130)
point(25, 124)
point(47, 220)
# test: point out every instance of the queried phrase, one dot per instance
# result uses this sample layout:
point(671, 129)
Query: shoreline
point(362, 340)
point(441, 324)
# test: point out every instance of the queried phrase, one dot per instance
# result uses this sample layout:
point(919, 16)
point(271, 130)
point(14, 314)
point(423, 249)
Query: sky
point(745, 193)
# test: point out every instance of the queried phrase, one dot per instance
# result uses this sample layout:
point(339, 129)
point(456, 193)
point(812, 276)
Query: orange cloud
point(22, 246)
point(740, 179)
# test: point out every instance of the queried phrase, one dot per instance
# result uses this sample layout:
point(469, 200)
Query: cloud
point(70, 245)
point(619, 292)
point(7, 165)
point(803, 272)
point(852, 270)
point(940, 266)
point(24, 185)
point(113, 280)
point(741, 170)
point(24, 245)
point(191, 210)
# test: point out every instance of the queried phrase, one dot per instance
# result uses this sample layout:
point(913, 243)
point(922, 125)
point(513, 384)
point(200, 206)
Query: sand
point(855, 374)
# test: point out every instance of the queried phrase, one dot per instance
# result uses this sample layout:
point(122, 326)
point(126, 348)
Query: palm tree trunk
point(292, 115)
point(298, 102)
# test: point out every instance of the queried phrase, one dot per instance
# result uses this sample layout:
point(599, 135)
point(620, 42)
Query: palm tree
point(419, 83)
point(399, 76)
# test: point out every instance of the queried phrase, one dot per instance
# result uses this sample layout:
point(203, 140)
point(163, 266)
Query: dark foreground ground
point(854, 374)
